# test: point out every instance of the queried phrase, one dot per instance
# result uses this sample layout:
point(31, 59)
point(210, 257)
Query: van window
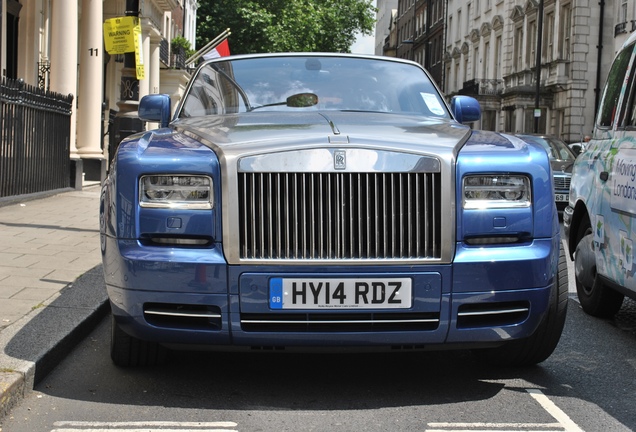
point(630, 106)
point(613, 88)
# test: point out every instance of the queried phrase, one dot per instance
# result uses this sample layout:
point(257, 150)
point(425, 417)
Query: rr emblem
point(340, 159)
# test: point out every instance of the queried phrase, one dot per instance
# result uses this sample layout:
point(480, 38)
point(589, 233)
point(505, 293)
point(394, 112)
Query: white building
point(625, 13)
point(384, 20)
point(58, 45)
point(491, 53)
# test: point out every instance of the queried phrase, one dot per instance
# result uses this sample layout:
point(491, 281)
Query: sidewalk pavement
point(52, 289)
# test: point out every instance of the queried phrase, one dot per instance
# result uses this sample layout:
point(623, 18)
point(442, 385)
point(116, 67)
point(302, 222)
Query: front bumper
point(191, 296)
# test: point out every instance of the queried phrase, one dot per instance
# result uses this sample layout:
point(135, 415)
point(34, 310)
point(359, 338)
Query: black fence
point(34, 145)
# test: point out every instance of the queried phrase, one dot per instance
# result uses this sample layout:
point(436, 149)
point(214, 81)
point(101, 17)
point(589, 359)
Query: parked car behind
point(328, 201)
point(561, 159)
point(600, 220)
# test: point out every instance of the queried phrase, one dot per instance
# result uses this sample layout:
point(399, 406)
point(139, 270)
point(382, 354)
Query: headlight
point(176, 191)
point(496, 191)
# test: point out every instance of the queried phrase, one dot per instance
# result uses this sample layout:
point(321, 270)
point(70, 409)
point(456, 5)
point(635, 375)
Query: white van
point(600, 220)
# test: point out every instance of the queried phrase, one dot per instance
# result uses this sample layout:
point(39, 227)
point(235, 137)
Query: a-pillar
point(64, 40)
point(91, 75)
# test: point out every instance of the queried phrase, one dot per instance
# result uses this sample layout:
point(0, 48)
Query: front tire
point(540, 345)
point(596, 299)
point(128, 351)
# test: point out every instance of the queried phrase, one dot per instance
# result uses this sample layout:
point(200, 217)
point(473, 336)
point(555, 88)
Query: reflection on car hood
point(258, 132)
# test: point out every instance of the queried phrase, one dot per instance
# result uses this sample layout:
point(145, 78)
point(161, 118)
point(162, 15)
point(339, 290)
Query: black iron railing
point(35, 140)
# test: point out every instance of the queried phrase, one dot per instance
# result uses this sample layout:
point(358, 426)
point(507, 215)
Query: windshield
point(340, 83)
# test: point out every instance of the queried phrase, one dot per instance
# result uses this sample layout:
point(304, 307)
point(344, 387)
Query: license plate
point(332, 293)
point(562, 197)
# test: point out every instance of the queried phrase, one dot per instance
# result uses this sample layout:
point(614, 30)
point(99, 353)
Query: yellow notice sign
point(139, 54)
point(119, 34)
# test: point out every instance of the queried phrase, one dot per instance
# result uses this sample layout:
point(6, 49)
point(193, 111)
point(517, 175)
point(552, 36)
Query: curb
point(33, 346)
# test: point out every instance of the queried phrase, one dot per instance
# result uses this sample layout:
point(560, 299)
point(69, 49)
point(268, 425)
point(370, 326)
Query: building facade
point(625, 13)
point(493, 52)
point(490, 49)
point(420, 34)
point(58, 45)
point(383, 24)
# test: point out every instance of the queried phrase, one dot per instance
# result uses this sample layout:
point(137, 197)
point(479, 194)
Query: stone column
point(89, 113)
point(64, 40)
point(154, 65)
point(153, 71)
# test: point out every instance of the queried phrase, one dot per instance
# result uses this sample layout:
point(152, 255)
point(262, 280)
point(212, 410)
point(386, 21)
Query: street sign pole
point(126, 120)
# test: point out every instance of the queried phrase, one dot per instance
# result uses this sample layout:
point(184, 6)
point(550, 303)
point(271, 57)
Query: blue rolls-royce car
point(328, 201)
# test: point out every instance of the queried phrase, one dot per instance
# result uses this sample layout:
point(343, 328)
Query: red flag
point(221, 50)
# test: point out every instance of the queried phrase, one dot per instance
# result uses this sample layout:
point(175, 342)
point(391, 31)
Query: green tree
point(285, 25)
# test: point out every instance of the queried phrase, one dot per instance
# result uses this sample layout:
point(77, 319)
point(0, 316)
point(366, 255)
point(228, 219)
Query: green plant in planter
point(180, 44)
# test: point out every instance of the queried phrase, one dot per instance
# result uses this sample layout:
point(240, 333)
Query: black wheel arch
point(580, 217)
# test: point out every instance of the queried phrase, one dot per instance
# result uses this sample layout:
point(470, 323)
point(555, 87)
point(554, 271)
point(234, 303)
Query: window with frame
point(456, 77)
point(465, 68)
point(548, 36)
point(486, 71)
point(468, 10)
point(498, 50)
point(518, 49)
point(565, 31)
point(531, 43)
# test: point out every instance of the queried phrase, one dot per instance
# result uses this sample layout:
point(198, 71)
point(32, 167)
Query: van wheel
point(596, 299)
point(126, 350)
point(540, 345)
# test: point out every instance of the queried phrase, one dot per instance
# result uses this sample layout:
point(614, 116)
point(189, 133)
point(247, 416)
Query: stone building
point(492, 53)
point(489, 49)
point(625, 13)
point(420, 33)
point(58, 45)
point(383, 24)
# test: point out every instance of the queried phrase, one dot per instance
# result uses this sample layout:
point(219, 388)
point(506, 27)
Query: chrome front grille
point(339, 215)
point(562, 182)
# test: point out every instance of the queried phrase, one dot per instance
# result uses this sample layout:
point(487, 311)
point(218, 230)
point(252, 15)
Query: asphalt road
point(588, 384)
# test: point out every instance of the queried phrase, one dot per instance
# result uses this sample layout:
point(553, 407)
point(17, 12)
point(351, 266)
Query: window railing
point(620, 28)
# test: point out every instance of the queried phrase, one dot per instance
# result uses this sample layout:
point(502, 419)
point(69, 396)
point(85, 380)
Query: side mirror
point(465, 109)
point(155, 108)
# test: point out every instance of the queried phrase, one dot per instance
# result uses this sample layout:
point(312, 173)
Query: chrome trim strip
point(184, 314)
point(321, 160)
point(493, 312)
point(378, 321)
